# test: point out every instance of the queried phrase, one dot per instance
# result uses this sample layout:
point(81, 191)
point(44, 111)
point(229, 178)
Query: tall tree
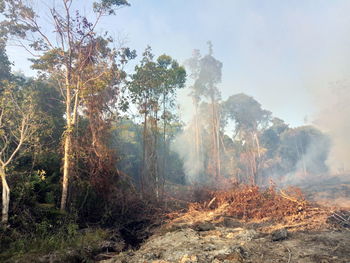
point(173, 77)
point(100, 98)
point(209, 76)
point(250, 120)
point(144, 89)
point(153, 86)
point(19, 120)
point(62, 54)
point(193, 64)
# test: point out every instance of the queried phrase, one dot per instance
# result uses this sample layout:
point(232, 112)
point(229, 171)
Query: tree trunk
point(66, 170)
point(218, 161)
point(67, 146)
point(215, 144)
point(165, 152)
point(197, 135)
point(144, 169)
point(156, 174)
point(5, 197)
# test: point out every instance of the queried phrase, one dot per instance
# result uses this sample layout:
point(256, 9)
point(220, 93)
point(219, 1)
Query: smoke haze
point(334, 119)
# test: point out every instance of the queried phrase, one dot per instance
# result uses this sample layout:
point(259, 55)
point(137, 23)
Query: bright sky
point(283, 53)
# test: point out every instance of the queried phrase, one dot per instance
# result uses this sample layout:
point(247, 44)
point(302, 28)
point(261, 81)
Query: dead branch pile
point(251, 202)
point(271, 208)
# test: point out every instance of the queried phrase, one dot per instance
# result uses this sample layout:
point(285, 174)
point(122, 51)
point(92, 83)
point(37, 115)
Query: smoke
point(334, 120)
point(311, 165)
point(184, 145)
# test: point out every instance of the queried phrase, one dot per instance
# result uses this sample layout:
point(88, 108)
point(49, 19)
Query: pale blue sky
point(284, 53)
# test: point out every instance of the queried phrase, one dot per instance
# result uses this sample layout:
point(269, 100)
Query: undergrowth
point(66, 244)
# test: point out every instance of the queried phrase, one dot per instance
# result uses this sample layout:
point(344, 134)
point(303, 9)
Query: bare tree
point(18, 123)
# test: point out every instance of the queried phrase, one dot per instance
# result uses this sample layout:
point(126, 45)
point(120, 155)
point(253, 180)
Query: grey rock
point(231, 223)
point(247, 235)
point(279, 234)
point(206, 226)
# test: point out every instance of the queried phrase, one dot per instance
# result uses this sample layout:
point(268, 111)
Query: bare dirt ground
point(217, 231)
point(232, 241)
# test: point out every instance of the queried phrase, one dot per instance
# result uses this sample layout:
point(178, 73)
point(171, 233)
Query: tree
point(271, 137)
point(173, 77)
point(207, 74)
point(19, 120)
point(100, 98)
point(62, 55)
point(193, 64)
point(145, 92)
point(304, 149)
point(153, 86)
point(5, 65)
point(250, 119)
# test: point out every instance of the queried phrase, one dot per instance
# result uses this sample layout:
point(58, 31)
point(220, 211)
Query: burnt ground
point(233, 241)
point(247, 225)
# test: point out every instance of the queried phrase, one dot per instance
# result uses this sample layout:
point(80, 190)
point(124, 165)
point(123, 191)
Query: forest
point(95, 143)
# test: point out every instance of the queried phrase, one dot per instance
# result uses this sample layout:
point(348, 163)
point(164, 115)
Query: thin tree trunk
point(5, 197)
point(156, 174)
point(217, 141)
point(198, 142)
point(165, 152)
point(144, 170)
point(197, 134)
point(213, 138)
point(67, 146)
point(257, 160)
point(66, 170)
point(68, 132)
point(215, 149)
point(301, 157)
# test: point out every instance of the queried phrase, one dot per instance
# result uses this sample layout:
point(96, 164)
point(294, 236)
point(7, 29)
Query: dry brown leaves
point(250, 202)
point(253, 204)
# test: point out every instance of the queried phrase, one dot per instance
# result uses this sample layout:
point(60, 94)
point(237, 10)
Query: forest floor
point(241, 224)
point(217, 231)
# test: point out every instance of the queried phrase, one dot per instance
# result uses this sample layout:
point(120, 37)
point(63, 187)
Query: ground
point(212, 233)
point(231, 241)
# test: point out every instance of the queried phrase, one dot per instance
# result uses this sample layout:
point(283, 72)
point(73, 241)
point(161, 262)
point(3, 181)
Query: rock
point(189, 259)
point(232, 257)
point(112, 246)
point(153, 255)
point(236, 254)
point(176, 227)
point(247, 235)
point(206, 226)
point(209, 247)
point(231, 223)
point(279, 234)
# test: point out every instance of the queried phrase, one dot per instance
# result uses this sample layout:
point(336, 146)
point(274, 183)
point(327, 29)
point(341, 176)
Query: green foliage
point(108, 6)
point(5, 64)
point(15, 13)
point(153, 89)
point(206, 72)
point(65, 244)
point(246, 112)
